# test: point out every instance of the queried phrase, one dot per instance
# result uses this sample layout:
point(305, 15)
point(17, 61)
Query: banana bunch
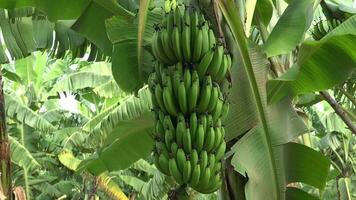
point(189, 104)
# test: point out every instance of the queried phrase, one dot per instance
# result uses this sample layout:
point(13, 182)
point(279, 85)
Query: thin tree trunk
point(339, 111)
point(5, 162)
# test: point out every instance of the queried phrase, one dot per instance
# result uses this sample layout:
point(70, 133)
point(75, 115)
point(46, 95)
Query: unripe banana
point(174, 148)
point(209, 139)
point(187, 141)
point(224, 110)
point(164, 164)
point(187, 170)
point(216, 62)
point(218, 137)
point(194, 158)
point(186, 43)
point(187, 79)
point(175, 83)
point(194, 25)
point(193, 126)
point(212, 41)
point(159, 129)
point(167, 45)
point(168, 138)
point(157, 47)
point(159, 97)
point(182, 98)
point(203, 161)
point(195, 176)
point(170, 23)
point(176, 43)
point(209, 122)
point(168, 100)
point(181, 129)
point(205, 38)
point(199, 138)
point(204, 63)
point(193, 94)
point(180, 159)
point(198, 45)
point(162, 149)
point(211, 162)
point(168, 124)
point(178, 19)
point(217, 110)
point(174, 171)
point(221, 151)
point(205, 95)
point(204, 181)
point(213, 98)
point(220, 76)
point(204, 121)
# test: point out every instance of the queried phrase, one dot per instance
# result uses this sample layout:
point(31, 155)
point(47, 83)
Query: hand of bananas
point(188, 101)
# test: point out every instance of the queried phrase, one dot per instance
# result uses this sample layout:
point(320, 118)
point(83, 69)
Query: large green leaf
point(15, 109)
point(123, 135)
point(290, 28)
point(320, 65)
point(263, 153)
point(130, 71)
point(55, 10)
point(21, 156)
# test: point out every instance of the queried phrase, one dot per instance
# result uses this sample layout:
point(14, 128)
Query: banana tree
point(269, 69)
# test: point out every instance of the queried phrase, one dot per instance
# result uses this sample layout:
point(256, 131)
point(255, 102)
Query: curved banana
point(213, 98)
point(204, 64)
point(193, 126)
point(178, 19)
point(205, 95)
point(181, 129)
point(186, 43)
point(180, 159)
point(187, 171)
point(195, 176)
point(182, 98)
point(174, 148)
point(220, 76)
point(168, 100)
point(212, 41)
point(164, 164)
point(205, 36)
point(199, 138)
point(193, 94)
point(194, 158)
point(216, 62)
point(224, 110)
point(217, 110)
point(159, 97)
point(209, 139)
point(198, 45)
point(167, 45)
point(176, 43)
point(187, 141)
point(168, 138)
point(187, 79)
point(174, 171)
point(221, 151)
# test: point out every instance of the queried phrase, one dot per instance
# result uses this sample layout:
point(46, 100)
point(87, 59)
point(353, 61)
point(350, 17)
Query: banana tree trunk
point(5, 161)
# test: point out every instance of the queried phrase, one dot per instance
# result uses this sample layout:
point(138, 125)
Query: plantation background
point(78, 112)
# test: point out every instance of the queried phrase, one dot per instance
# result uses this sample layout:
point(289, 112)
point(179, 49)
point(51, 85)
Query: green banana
point(203, 161)
point(187, 79)
point(217, 110)
point(199, 138)
point(182, 98)
point(209, 139)
point(186, 43)
point(168, 124)
point(198, 45)
point(174, 148)
point(187, 141)
point(204, 181)
point(209, 122)
point(181, 129)
point(213, 98)
point(167, 45)
point(211, 162)
point(220, 76)
point(164, 164)
point(159, 97)
point(204, 121)
point(168, 138)
point(175, 83)
point(205, 95)
point(193, 126)
point(224, 110)
point(195, 176)
point(162, 149)
point(180, 159)
point(194, 158)
point(194, 24)
point(174, 171)
point(176, 43)
point(216, 62)
point(204, 64)
point(212, 41)
point(205, 38)
point(157, 47)
point(221, 151)
point(178, 19)
point(159, 129)
point(168, 100)
point(193, 94)
point(170, 23)
point(218, 137)
point(187, 171)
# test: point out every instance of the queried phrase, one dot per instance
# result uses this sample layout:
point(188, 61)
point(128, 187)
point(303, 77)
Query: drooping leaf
point(16, 110)
point(320, 65)
point(56, 10)
point(290, 28)
point(21, 156)
point(128, 125)
point(266, 146)
point(128, 73)
point(67, 158)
